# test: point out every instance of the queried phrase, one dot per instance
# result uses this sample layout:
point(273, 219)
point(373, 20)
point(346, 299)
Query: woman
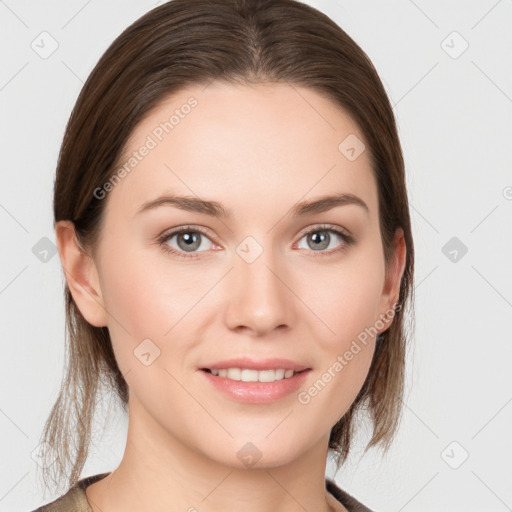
point(232, 220)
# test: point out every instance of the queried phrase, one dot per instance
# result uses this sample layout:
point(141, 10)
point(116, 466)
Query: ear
point(393, 280)
point(81, 275)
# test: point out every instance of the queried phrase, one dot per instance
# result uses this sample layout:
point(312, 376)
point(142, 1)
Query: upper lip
point(261, 364)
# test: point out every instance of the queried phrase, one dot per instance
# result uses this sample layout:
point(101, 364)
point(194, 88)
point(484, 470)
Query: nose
point(259, 298)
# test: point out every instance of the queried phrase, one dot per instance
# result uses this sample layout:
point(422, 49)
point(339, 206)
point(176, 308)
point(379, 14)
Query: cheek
point(146, 294)
point(131, 295)
point(345, 354)
point(345, 297)
point(148, 298)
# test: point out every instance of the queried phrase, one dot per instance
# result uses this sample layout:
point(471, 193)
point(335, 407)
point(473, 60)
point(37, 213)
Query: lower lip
point(257, 392)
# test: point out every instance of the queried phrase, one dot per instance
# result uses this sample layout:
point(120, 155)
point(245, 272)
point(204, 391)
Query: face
point(255, 280)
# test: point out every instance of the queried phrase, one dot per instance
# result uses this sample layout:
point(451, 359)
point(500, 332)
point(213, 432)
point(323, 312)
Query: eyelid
point(326, 227)
point(184, 229)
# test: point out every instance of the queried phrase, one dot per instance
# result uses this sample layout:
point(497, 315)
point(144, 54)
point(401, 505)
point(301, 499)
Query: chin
point(256, 452)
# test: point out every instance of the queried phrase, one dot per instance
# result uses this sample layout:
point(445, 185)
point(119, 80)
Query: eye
point(188, 240)
point(320, 238)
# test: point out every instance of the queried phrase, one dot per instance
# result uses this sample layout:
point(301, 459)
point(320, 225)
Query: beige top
point(75, 500)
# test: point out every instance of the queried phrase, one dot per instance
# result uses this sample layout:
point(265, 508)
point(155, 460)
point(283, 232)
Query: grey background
point(454, 111)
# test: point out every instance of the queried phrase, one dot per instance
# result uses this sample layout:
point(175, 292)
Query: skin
point(258, 150)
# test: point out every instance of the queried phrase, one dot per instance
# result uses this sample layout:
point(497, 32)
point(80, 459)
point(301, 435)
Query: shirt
point(75, 500)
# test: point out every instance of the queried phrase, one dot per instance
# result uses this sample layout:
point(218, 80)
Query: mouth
point(269, 382)
point(251, 375)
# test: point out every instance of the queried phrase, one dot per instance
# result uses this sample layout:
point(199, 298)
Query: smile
point(251, 386)
point(249, 375)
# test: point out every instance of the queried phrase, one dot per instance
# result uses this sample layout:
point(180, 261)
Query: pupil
point(320, 237)
point(189, 240)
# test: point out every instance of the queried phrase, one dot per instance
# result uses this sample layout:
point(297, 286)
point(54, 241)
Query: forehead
point(242, 145)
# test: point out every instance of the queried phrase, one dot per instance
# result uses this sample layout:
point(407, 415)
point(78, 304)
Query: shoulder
point(348, 501)
point(74, 500)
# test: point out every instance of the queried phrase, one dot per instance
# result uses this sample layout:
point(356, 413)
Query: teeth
point(246, 375)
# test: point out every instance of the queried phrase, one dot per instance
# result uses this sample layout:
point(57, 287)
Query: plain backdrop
point(447, 69)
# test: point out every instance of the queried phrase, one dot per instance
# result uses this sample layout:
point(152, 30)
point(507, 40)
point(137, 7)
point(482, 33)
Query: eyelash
point(348, 240)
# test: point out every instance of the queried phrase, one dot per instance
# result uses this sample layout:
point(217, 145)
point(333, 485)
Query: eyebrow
point(216, 209)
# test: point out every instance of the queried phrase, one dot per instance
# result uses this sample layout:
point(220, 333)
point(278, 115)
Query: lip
point(262, 364)
point(256, 392)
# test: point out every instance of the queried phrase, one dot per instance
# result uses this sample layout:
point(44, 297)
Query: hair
point(190, 42)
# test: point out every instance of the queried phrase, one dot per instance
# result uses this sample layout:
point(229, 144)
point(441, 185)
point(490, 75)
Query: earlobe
point(81, 275)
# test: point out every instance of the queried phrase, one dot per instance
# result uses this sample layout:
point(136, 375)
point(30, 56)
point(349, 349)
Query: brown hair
point(190, 42)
